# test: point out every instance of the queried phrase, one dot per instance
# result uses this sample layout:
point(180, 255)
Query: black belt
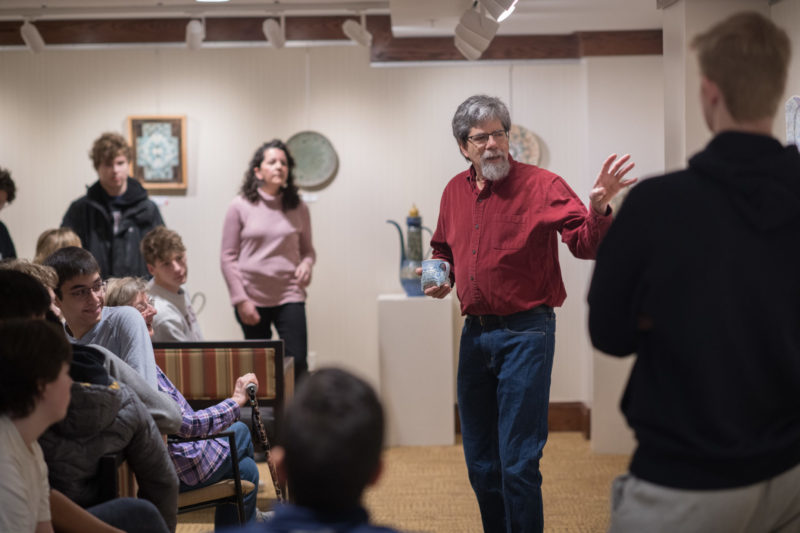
point(495, 320)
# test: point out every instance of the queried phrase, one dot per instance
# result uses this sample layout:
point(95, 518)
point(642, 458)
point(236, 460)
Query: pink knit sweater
point(261, 248)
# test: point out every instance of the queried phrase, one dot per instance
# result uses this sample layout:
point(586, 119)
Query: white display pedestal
point(415, 337)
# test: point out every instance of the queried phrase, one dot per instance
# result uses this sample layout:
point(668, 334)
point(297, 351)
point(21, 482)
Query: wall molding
point(385, 48)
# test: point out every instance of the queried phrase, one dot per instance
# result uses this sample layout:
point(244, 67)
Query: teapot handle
point(428, 253)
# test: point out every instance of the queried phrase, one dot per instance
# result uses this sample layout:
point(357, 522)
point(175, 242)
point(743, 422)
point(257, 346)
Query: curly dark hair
point(32, 355)
point(290, 194)
point(107, 147)
point(7, 184)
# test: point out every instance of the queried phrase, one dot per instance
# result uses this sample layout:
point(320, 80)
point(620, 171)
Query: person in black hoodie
point(115, 213)
point(698, 275)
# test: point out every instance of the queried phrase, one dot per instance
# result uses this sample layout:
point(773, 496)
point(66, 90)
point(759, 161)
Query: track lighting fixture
point(499, 10)
point(274, 32)
point(474, 33)
point(357, 33)
point(33, 39)
point(195, 34)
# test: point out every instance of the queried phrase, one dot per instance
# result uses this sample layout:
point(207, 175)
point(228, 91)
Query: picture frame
point(158, 145)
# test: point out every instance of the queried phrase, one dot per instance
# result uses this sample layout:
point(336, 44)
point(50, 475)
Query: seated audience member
point(115, 213)
point(206, 462)
point(165, 255)
point(160, 405)
point(103, 417)
point(8, 191)
point(329, 452)
point(80, 294)
point(133, 292)
point(34, 393)
point(54, 239)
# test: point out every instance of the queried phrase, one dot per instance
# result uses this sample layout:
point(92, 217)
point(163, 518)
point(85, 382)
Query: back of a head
point(21, 296)
point(160, 244)
point(747, 56)
point(53, 239)
point(32, 354)
point(70, 262)
point(333, 437)
point(43, 274)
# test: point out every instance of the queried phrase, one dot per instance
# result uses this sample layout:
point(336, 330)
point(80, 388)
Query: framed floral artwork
point(158, 143)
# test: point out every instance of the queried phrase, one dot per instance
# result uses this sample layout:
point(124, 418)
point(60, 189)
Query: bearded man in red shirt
point(498, 227)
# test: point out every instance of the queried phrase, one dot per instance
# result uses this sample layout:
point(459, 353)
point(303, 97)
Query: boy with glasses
point(80, 294)
point(165, 255)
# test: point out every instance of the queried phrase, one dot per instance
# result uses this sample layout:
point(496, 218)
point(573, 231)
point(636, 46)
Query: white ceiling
point(410, 18)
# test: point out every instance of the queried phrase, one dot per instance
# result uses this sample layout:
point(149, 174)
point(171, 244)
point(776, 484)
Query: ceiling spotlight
point(33, 39)
point(357, 33)
point(499, 9)
point(195, 33)
point(474, 33)
point(274, 32)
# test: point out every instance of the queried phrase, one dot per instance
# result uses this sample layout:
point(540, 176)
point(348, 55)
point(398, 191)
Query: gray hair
point(122, 291)
point(477, 109)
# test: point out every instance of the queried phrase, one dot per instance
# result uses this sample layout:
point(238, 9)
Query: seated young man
point(329, 452)
point(165, 255)
point(80, 294)
point(161, 406)
point(34, 393)
point(103, 417)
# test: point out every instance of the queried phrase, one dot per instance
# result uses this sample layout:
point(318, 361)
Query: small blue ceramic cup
point(435, 272)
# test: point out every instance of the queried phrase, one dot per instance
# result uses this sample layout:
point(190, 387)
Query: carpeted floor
point(426, 489)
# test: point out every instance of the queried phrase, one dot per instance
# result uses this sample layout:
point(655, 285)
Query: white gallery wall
point(390, 127)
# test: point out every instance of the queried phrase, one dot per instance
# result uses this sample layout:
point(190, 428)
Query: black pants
point(290, 322)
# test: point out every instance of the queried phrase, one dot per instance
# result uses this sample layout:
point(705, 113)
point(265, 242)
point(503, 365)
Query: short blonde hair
point(747, 56)
point(123, 291)
point(54, 239)
point(43, 274)
point(159, 244)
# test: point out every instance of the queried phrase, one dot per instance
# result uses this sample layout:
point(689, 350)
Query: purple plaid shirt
point(196, 461)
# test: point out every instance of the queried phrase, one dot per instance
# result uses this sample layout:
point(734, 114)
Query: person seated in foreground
point(165, 255)
point(203, 463)
point(34, 393)
point(14, 292)
point(104, 417)
point(54, 239)
point(329, 451)
point(80, 294)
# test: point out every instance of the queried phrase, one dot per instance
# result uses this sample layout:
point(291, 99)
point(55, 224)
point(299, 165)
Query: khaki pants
point(770, 506)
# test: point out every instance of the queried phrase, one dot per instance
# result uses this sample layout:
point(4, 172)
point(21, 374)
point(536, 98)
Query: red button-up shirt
point(501, 240)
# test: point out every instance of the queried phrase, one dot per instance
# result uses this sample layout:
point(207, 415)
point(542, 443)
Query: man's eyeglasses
point(84, 292)
point(142, 307)
point(481, 139)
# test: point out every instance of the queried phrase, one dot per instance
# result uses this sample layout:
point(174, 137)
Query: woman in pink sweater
point(267, 253)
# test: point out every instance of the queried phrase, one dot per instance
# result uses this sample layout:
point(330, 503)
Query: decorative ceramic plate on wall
point(523, 145)
point(315, 160)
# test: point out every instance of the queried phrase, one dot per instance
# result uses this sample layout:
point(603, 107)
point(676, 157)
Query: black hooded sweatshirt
point(91, 218)
point(699, 275)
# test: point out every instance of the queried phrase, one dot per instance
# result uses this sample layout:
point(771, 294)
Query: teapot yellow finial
point(413, 212)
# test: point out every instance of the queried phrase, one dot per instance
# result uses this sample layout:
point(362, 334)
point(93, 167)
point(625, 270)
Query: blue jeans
point(132, 515)
point(503, 396)
point(226, 514)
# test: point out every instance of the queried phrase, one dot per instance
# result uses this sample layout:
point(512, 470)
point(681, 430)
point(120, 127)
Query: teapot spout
point(402, 242)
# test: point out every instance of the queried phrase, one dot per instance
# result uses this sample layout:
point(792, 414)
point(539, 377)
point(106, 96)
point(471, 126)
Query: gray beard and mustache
point(494, 171)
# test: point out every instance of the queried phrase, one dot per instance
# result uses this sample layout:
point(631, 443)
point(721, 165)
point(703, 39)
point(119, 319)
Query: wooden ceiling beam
point(385, 48)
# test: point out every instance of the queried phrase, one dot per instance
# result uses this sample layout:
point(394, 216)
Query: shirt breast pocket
point(509, 232)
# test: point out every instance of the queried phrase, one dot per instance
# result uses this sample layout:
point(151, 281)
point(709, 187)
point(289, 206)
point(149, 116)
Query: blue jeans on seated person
point(132, 515)
point(226, 513)
point(503, 397)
